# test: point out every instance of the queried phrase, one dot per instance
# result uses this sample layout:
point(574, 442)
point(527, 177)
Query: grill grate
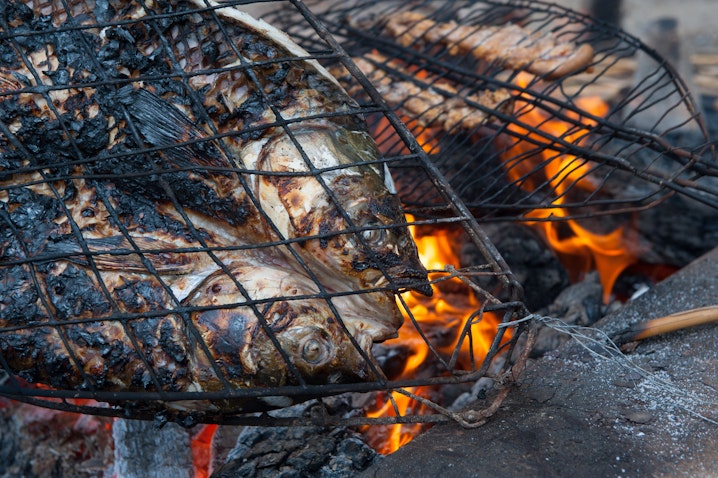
point(648, 144)
point(128, 197)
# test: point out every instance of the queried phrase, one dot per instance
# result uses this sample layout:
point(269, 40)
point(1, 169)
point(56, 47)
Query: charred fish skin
point(336, 142)
point(312, 342)
point(82, 126)
point(113, 195)
point(242, 104)
point(90, 350)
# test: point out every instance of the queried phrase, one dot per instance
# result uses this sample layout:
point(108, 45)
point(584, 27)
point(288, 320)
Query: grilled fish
point(225, 338)
point(510, 45)
point(322, 192)
point(432, 103)
point(150, 177)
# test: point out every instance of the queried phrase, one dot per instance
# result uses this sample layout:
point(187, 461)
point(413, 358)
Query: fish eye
point(312, 351)
point(315, 351)
point(373, 235)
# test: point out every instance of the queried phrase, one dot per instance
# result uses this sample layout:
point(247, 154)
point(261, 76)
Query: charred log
point(37, 442)
point(141, 448)
point(533, 264)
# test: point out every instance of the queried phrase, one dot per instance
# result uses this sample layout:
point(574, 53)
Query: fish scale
point(172, 149)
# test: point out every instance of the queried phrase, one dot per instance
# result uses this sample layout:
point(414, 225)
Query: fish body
point(335, 186)
point(514, 47)
point(147, 191)
point(431, 101)
point(224, 340)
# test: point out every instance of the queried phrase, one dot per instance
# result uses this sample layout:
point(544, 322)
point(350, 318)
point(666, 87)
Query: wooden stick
point(669, 323)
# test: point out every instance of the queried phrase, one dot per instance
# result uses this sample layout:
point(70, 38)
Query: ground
point(651, 412)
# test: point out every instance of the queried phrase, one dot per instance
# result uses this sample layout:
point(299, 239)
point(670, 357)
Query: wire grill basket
point(149, 268)
point(518, 137)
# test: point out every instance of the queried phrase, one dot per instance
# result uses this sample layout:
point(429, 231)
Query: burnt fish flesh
point(255, 326)
point(160, 227)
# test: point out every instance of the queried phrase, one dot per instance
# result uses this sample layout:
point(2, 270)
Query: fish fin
point(115, 253)
point(165, 126)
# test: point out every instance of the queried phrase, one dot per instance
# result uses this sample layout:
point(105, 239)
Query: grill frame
point(150, 405)
point(685, 153)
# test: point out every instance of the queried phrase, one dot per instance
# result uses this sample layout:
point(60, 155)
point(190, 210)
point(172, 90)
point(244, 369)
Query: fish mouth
point(419, 285)
point(390, 269)
point(375, 315)
point(356, 367)
point(411, 278)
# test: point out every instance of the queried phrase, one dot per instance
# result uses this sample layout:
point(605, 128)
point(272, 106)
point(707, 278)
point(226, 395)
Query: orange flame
point(582, 249)
point(451, 306)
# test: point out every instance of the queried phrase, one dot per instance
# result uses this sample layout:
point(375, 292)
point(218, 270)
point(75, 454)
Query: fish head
point(254, 328)
point(320, 349)
point(383, 246)
point(347, 199)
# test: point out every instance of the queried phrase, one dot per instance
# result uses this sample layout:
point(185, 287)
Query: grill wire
point(650, 144)
point(25, 168)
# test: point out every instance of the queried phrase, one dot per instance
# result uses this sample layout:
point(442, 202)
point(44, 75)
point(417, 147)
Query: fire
point(580, 249)
point(201, 450)
point(451, 306)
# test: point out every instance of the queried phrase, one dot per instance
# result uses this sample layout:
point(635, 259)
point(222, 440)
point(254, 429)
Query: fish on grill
point(432, 102)
point(225, 338)
point(511, 46)
point(187, 203)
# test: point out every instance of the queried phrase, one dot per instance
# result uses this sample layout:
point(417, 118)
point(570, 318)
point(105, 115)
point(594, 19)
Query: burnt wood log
point(327, 452)
point(677, 231)
point(529, 258)
point(223, 442)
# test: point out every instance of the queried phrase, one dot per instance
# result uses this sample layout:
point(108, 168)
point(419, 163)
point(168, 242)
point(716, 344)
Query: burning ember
point(580, 249)
point(201, 450)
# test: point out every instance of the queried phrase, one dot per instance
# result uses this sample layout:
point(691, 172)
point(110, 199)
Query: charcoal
point(223, 442)
point(678, 230)
point(328, 452)
point(530, 259)
point(36, 442)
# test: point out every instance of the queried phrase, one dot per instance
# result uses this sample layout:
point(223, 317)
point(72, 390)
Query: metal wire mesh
point(525, 139)
point(145, 272)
